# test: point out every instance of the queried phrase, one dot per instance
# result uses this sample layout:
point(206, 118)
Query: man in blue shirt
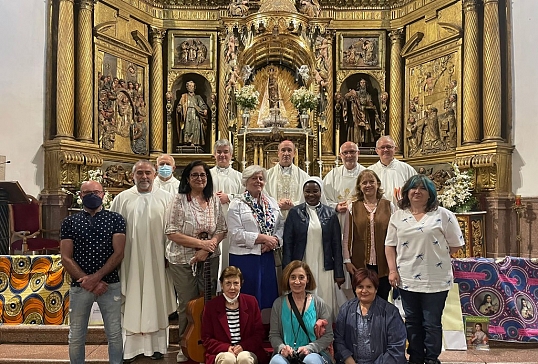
point(92, 248)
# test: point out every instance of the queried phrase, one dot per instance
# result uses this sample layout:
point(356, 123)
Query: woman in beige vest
point(366, 228)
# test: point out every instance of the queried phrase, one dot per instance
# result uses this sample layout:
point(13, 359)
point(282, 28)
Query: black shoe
point(432, 361)
point(173, 316)
point(157, 356)
point(130, 360)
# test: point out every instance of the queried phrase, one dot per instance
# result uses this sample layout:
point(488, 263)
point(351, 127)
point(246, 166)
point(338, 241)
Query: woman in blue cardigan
point(312, 234)
point(369, 330)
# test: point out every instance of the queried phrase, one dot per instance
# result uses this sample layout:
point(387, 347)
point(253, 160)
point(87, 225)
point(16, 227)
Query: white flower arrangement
point(247, 97)
point(456, 194)
point(304, 99)
point(93, 175)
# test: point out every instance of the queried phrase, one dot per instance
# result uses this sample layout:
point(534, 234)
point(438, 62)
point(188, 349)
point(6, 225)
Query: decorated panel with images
point(362, 50)
point(191, 50)
point(122, 111)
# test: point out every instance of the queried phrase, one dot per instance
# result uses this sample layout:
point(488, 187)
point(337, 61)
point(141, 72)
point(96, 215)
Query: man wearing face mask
point(166, 165)
point(92, 247)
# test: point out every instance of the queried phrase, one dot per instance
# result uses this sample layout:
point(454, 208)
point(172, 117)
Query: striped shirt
point(233, 324)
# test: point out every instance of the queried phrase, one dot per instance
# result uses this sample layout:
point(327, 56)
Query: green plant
point(93, 175)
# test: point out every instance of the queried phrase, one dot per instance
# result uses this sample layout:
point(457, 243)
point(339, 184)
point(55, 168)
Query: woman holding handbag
point(294, 316)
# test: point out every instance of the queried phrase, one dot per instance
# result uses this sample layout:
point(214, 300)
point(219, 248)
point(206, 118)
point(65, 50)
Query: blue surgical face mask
point(92, 201)
point(165, 171)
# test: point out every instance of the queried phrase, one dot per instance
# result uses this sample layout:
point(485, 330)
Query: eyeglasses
point(349, 152)
point(198, 175)
point(386, 147)
point(94, 192)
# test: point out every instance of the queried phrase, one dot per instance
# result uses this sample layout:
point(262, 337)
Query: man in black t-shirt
point(92, 248)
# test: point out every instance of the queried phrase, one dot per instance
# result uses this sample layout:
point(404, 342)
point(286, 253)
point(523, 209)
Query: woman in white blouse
point(255, 225)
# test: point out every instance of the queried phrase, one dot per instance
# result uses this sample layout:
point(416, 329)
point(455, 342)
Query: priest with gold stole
point(147, 292)
point(285, 180)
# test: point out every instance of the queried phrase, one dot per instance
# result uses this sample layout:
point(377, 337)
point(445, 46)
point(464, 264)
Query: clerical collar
point(386, 165)
point(285, 170)
point(222, 169)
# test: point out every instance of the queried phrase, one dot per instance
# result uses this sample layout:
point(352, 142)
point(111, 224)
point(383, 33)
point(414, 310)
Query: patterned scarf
point(263, 213)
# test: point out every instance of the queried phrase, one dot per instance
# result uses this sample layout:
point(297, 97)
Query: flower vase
point(246, 118)
point(304, 117)
point(462, 209)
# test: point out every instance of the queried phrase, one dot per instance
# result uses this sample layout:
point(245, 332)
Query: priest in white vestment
point(285, 180)
point(339, 188)
point(147, 292)
point(166, 165)
point(392, 172)
point(226, 184)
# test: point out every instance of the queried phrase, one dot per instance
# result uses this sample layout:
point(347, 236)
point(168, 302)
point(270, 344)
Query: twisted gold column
point(84, 92)
point(471, 74)
point(65, 71)
point(492, 72)
point(395, 100)
point(156, 95)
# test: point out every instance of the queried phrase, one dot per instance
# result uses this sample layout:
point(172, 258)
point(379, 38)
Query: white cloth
point(393, 177)
point(283, 185)
point(227, 180)
point(313, 253)
point(171, 185)
point(147, 291)
point(339, 184)
point(423, 249)
point(243, 228)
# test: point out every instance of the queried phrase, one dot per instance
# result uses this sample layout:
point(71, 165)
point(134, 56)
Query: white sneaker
point(181, 358)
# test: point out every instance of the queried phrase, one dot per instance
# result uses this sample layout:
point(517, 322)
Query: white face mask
point(165, 171)
point(231, 300)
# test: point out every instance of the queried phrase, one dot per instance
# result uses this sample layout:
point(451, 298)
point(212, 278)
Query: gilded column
point(84, 91)
point(65, 71)
point(471, 74)
point(327, 115)
point(156, 95)
point(396, 98)
point(492, 72)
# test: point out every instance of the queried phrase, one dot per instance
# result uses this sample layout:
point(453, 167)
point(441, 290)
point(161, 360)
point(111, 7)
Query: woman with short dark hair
point(369, 330)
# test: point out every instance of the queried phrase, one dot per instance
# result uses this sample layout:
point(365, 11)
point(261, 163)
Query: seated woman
point(369, 330)
point(232, 329)
point(294, 316)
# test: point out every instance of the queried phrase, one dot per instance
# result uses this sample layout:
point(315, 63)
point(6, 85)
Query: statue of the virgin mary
point(272, 109)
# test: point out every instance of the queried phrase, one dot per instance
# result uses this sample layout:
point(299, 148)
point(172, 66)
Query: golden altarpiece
point(431, 73)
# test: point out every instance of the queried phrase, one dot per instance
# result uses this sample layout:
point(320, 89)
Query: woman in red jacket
point(232, 329)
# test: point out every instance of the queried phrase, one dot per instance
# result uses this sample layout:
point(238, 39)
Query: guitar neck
point(207, 280)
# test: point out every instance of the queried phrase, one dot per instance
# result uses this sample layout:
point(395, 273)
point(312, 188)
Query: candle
point(306, 150)
point(319, 142)
point(245, 145)
point(518, 200)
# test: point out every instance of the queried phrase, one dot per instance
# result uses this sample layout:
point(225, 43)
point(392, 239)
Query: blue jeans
point(312, 358)
point(423, 313)
point(80, 305)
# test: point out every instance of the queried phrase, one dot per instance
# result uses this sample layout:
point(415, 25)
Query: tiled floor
point(97, 354)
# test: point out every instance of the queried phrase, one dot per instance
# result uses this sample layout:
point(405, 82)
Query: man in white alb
point(339, 187)
point(392, 172)
point(339, 183)
point(285, 180)
point(166, 165)
point(226, 184)
point(148, 293)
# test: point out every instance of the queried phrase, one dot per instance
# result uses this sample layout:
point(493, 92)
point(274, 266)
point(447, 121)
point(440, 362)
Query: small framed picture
point(191, 49)
point(477, 332)
point(362, 50)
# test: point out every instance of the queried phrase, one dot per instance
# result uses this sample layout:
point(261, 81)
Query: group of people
point(295, 251)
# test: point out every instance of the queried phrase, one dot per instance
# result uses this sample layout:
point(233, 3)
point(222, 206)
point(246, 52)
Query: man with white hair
point(226, 184)
point(392, 172)
point(285, 180)
point(166, 165)
point(149, 295)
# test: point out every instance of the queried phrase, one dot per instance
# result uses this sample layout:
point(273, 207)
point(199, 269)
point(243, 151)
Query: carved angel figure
point(304, 72)
point(238, 8)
